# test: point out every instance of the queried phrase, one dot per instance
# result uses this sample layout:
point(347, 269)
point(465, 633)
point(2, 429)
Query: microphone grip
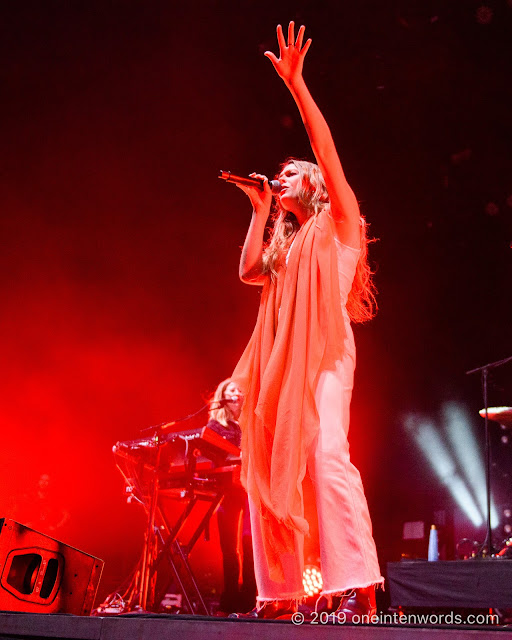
point(275, 185)
point(249, 182)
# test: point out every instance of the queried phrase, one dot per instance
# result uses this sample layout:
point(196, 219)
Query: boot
point(356, 604)
point(271, 610)
point(327, 604)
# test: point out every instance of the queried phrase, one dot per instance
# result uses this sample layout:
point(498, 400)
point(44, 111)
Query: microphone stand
point(485, 374)
point(163, 426)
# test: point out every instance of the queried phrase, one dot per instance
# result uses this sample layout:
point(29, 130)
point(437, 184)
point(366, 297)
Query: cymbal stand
point(487, 543)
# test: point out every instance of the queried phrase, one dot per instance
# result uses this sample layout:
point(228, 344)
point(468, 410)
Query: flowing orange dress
point(299, 349)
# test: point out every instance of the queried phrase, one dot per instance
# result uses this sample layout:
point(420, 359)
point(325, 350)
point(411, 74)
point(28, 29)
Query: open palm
point(291, 54)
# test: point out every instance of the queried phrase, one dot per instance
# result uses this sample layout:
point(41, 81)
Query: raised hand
point(343, 204)
point(291, 54)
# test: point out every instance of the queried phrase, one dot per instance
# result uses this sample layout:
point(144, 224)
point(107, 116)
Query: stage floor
point(28, 626)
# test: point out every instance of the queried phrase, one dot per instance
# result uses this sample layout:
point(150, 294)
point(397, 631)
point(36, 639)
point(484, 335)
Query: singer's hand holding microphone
point(254, 180)
point(257, 187)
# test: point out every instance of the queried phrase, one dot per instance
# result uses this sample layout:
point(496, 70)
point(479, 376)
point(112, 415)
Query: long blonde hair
point(220, 413)
point(313, 196)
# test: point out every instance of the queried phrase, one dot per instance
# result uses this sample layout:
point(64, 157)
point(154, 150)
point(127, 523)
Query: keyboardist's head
point(226, 403)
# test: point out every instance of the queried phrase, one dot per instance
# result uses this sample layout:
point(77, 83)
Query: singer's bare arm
point(344, 207)
point(251, 261)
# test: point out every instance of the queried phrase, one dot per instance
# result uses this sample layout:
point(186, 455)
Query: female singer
point(297, 371)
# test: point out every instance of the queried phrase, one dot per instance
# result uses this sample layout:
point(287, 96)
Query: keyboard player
point(233, 512)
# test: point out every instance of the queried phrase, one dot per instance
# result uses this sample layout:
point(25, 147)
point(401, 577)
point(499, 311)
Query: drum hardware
point(502, 415)
point(484, 371)
point(506, 551)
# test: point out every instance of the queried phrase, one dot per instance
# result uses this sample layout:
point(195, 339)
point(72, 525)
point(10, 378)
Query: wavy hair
point(221, 414)
point(313, 196)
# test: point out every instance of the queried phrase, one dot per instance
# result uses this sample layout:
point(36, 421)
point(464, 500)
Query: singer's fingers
point(266, 185)
point(280, 38)
point(291, 33)
point(273, 58)
point(300, 36)
point(260, 176)
point(306, 46)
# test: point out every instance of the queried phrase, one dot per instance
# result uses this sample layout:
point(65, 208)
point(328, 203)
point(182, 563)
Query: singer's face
point(290, 187)
point(234, 395)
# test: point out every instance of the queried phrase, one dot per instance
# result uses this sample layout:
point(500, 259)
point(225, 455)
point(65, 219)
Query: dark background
point(120, 300)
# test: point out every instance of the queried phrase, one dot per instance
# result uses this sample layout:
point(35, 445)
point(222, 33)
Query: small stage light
point(484, 14)
point(492, 209)
point(312, 580)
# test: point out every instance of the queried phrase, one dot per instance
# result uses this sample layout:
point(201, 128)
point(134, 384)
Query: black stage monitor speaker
point(38, 574)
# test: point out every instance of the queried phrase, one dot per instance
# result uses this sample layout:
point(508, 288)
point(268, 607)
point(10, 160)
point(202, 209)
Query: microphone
point(224, 401)
point(275, 185)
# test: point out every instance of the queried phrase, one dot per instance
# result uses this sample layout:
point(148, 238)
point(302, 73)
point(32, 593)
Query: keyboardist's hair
point(221, 414)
